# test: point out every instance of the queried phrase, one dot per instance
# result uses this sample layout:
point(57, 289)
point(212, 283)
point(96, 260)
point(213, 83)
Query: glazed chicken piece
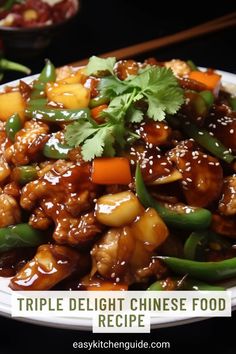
point(29, 141)
point(10, 213)
point(224, 225)
point(202, 174)
point(123, 251)
point(39, 219)
point(80, 231)
point(154, 165)
point(63, 179)
point(112, 254)
point(50, 265)
point(227, 204)
point(63, 195)
point(125, 68)
point(155, 133)
point(222, 123)
point(13, 189)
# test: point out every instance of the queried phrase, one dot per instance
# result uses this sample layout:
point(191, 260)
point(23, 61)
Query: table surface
point(88, 35)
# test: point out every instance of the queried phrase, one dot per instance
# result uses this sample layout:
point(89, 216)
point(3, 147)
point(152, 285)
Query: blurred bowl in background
point(25, 42)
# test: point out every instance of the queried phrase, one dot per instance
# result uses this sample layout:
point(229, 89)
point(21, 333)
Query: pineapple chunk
point(10, 103)
point(72, 96)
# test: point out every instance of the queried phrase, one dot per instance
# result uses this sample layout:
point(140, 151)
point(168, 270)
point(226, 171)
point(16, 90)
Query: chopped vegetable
point(232, 102)
point(13, 125)
point(209, 271)
point(25, 174)
point(96, 113)
point(10, 65)
point(150, 229)
point(56, 115)
point(210, 79)
point(197, 242)
point(98, 101)
point(72, 96)
point(21, 235)
point(111, 209)
point(53, 149)
point(209, 142)
point(114, 170)
point(17, 105)
point(183, 284)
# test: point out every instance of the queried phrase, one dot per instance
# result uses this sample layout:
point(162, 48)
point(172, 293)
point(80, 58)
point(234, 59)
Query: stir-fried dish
point(118, 175)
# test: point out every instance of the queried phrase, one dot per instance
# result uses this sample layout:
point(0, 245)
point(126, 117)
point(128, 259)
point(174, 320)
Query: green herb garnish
point(156, 87)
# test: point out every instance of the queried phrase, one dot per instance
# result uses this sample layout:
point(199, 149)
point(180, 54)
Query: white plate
point(85, 323)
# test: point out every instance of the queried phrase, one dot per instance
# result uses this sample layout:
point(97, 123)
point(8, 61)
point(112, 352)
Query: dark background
point(105, 25)
point(102, 26)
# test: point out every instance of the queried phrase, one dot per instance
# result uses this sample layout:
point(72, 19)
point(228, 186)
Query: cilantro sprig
point(156, 87)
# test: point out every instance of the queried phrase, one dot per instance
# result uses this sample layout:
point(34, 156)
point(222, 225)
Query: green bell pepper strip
point(232, 102)
point(25, 174)
point(198, 241)
point(208, 97)
point(21, 235)
point(48, 74)
point(53, 149)
point(98, 101)
point(209, 271)
point(57, 115)
point(199, 106)
point(186, 284)
point(37, 102)
point(11, 65)
point(182, 217)
point(13, 125)
point(209, 142)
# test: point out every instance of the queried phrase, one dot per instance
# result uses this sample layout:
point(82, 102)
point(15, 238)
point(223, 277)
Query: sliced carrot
point(209, 78)
point(96, 111)
point(108, 286)
point(111, 170)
